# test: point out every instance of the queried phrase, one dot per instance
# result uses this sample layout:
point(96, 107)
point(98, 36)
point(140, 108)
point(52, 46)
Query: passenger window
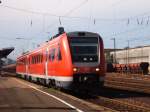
point(29, 61)
point(46, 55)
point(33, 59)
point(41, 58)
point(59, 57)
point(52, 55)
point(38, 59)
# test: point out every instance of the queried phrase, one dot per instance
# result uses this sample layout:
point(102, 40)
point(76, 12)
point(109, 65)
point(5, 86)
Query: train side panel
point(36, 64)
point(102, 60)
point(59, 63)
point(21, 65)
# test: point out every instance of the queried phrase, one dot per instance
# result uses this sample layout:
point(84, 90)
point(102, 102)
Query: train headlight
point(97, 69)
point(75, 69)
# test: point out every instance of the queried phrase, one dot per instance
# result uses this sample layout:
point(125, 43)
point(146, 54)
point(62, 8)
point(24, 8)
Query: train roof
point(69, 34)
point(82, 33)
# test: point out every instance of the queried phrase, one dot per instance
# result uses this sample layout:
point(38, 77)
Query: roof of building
point(110, 49)
point(137, 47)
point(4, 52)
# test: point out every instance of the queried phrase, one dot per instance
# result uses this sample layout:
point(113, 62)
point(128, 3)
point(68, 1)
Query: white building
point(132, 55)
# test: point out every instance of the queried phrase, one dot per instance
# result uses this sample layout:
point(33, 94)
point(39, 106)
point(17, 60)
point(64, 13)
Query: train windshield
point(84, 49)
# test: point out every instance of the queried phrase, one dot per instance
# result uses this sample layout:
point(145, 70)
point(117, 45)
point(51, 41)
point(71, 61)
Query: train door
point(46, 65)
point(27, 65)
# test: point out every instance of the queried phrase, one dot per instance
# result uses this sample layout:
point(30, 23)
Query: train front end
point(87, 53)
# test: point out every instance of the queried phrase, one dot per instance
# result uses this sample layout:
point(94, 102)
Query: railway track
point(119, 100)
point(128, 75)
point(122, 106)
point(123, 101)
point(132, 83)
point(129, 86)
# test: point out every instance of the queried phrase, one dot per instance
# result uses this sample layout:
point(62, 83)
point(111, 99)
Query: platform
point(17, 95)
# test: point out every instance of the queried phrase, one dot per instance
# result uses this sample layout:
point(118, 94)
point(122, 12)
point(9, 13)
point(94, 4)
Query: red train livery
point(67, 60)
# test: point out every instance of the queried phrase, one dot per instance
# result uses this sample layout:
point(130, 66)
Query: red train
point(68, 60)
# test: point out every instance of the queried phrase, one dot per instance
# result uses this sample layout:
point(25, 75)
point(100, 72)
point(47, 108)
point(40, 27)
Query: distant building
point(8, 61)
point(109, 57)
point(3, 54)
point(132, 55)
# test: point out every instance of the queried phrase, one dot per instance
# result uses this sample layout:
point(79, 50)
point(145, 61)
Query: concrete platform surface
point(17, 95)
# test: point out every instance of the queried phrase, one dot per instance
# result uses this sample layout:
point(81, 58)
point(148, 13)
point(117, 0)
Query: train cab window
point(59, 57)
point(84, 49)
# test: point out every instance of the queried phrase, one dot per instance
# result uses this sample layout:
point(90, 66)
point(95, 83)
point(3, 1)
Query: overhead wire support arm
point(60, 20)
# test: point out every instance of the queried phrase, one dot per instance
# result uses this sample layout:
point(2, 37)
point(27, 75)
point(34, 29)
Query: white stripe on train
point(57, 78)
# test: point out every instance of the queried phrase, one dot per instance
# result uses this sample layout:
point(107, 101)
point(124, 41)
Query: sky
point(24, 24)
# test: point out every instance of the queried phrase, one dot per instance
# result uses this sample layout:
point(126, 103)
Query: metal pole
point(0, 62)
point(0, 65)
point(128, 51)
point(114, 39)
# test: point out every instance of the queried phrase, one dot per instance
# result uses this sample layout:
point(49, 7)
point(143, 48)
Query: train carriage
point(68, 60)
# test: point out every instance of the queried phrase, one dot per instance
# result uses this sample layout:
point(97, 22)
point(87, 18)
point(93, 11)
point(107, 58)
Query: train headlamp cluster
point(97, 69)
point(75, 69)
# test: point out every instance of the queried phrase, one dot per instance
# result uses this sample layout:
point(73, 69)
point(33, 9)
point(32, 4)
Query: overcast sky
point(26, 23)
